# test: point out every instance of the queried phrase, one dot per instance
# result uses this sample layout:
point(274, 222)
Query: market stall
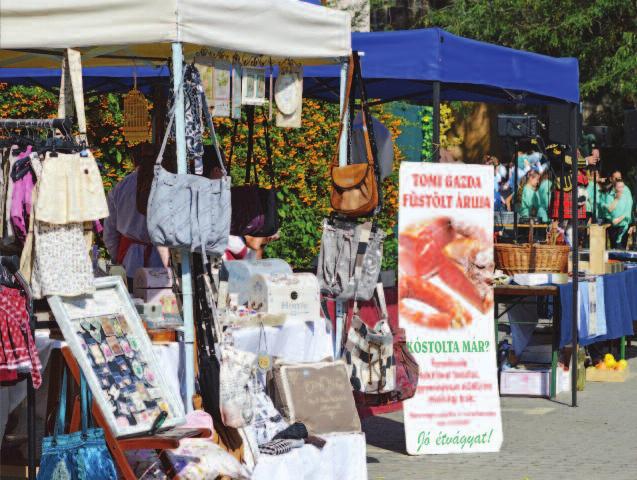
point(157, 32)
point(430, 65)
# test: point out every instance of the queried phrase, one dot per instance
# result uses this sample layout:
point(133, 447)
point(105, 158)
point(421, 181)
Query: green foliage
point(301, 161)
point(601, 34)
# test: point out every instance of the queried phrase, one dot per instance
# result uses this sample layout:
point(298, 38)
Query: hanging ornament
point(136, 117)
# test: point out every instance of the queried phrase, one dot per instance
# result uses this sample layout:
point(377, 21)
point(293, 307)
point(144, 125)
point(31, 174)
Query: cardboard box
point(597, 249)
point(595, 375)
point(533, 381)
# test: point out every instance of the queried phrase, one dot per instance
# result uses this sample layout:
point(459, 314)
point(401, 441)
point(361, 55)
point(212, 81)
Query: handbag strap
point(61, 416)
point(368, 134)
point(85, 402)
point(363, 242)
point(348, 92)
point(213, 132)
point(268, 149)
point(160, 155)
point(233, 141)
point(382, 303)
point(250, 152)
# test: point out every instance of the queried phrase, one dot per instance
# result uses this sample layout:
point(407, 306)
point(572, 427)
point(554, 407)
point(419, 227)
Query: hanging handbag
point(369, 351)
point(188, 211)
point(267, 420)
point(350, 259)
point(236, 372)
point(356, 189)
point(406, 377)
point(254, 208)
point(80, 455)
point(208, 371)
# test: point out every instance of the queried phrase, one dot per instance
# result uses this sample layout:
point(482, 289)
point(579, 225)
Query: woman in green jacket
point(529, 203)
point(620, 208)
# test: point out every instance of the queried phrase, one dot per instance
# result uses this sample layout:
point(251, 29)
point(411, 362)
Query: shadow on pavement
point(385, 433)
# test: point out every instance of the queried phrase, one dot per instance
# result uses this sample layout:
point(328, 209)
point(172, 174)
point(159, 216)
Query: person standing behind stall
point(620, 208)
point(529, 201)
point(544, 196)
point(125, 232)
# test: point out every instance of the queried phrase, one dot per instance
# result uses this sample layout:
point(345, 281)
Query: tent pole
point(342, 161)
point(436, 121)
point(342, 151)
point(574, 221)
point(186, 282)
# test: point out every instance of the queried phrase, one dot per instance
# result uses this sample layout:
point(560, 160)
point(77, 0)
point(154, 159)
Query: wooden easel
point(159, 442)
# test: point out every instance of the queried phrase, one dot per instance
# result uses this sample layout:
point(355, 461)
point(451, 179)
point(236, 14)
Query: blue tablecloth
point(620, 299)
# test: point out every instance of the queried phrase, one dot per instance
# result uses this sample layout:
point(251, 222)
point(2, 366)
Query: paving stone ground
point(543, 440)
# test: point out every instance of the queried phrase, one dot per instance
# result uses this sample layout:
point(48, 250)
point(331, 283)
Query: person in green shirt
point(544, 196)
point(594, 198)
point(529, 200)
point(620, 208)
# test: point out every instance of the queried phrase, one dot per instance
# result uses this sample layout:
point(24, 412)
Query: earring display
point(115, 354)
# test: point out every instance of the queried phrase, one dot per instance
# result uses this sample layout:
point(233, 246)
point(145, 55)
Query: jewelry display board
point(111, 346)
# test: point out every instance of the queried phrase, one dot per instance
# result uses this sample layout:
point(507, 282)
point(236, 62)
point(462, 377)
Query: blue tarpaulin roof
point(396, 65)
point(402, 64)
point(100, 79)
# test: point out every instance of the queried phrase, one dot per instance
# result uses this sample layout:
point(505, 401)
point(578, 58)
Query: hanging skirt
point(17, 348)
point(70, 190)
point(62, 265)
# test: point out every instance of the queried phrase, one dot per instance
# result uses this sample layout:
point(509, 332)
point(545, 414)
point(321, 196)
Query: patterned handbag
point(236, 371)
point(80, 455)
point(350, 259)
point(369, 352)
point(267, 420)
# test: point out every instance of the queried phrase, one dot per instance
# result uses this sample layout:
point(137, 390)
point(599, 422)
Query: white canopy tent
point(35, 33)
point(115, 32)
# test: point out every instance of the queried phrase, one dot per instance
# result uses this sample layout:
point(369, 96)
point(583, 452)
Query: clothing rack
point(65, 124)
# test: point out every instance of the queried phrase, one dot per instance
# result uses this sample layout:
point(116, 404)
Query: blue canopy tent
point(405, 65)
point(422, 66)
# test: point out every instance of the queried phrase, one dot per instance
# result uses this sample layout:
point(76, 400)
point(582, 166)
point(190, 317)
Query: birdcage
point(136, 117)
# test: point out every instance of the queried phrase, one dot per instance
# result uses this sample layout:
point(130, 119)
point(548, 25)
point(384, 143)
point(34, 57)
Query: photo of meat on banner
point(449, 264)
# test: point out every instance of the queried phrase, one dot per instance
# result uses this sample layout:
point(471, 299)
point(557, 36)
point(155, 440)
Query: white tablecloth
point(294, 341)
point(170, 359)
point(344, 457)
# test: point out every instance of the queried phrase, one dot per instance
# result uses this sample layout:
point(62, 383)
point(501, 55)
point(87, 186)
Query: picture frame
point(253, 86)
point(89, 324)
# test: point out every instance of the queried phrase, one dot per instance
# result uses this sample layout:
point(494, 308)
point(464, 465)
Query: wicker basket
point(531, 257)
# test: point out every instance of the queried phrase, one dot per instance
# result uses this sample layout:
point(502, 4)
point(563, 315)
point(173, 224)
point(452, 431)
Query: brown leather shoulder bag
point(355, 187)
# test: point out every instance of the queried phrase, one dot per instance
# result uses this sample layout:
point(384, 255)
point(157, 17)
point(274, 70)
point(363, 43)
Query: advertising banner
point(445, 266)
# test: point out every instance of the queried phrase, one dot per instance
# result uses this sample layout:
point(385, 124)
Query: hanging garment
point(26, 258)
point(17, 350)
point(193, 107)
point(71, 190)
point(62, 265)
point(4, 176)
point(13, 158)
point(22, 200)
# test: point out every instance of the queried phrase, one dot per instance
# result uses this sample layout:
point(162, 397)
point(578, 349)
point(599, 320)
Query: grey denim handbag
point(350, 259)
point(188, 211)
